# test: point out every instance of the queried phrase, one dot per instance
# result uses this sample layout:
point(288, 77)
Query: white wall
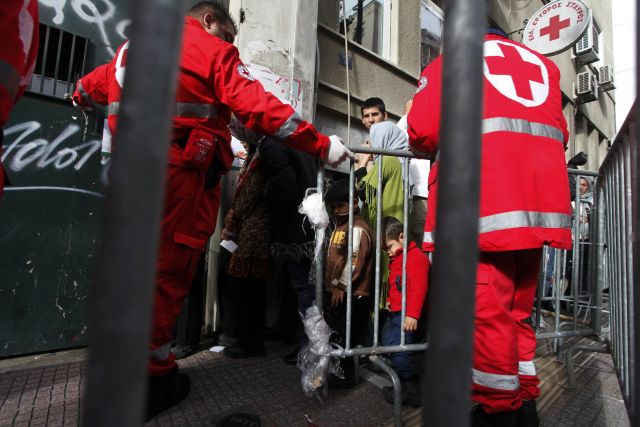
point(624, 36)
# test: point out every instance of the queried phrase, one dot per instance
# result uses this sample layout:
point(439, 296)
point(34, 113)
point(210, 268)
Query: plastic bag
point(314, 360)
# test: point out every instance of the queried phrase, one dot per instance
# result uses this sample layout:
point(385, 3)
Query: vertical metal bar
point(57, 66)
point(319, 241)
point(405, 243)
point(121, 299)
point(575, 255)
point(73, 54)
point(449, 359)
point(350, 255)
point(44, 58)
point(376, 313)
point(541, 285)
point(598, 243)
point(628, 257)
point(83, 71)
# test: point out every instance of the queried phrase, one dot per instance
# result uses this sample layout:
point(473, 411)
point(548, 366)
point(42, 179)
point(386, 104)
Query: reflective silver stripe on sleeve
point(194, 110)
point(84, 94)
point(9, 78)
point(527, 368)
point(428, 237)
point(289, 127)
point(161, 353)
point(113, 107)
point(505, 124)
point(495, 381)
point(183, 109)
point(520, 219)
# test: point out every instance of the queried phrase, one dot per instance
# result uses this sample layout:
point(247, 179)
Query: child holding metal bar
point(339, 201)
point(417, 271)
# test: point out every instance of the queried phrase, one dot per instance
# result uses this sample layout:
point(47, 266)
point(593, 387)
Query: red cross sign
point(556, 26)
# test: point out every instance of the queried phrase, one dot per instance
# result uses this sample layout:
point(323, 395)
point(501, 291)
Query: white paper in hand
point(229, 245)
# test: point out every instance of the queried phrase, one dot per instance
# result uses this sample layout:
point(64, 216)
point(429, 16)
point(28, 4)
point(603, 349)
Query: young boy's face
point(392, 246)
point(339, 208)
point(342, 208)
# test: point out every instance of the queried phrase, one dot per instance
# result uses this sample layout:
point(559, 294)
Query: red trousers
point(503, 369)
point(190, 215)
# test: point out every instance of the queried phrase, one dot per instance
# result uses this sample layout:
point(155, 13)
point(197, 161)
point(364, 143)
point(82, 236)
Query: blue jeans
point(303, 284)
point(401, 362)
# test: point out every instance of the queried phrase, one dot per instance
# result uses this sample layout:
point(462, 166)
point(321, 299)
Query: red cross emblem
point(522, 73)
point(554, 28)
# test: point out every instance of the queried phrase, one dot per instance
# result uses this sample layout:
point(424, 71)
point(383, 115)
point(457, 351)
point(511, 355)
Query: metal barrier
point(620, 234)
point(571, 284)
point(376, 348)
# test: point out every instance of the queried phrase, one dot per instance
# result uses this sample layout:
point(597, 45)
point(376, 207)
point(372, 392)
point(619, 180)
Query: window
point(61, 61)
point(431, 22)
point(368, 23)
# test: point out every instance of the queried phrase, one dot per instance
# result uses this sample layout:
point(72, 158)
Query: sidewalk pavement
point(32, 395)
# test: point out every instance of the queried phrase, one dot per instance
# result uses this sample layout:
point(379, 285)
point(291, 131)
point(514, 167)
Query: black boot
point(479, 418)
point(528, 414)
point(166, 391)
point(411, 393)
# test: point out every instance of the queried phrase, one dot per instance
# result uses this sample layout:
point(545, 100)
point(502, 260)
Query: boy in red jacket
point(417, 283)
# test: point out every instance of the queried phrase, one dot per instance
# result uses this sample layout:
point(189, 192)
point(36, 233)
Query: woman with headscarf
point(384, 135)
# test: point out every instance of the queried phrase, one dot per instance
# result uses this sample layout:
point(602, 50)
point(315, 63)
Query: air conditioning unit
point(586, 87)
point(605, 78)
point(587, 49)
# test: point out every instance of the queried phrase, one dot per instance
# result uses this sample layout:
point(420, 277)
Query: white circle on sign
point(556, 26)
point(516, 73)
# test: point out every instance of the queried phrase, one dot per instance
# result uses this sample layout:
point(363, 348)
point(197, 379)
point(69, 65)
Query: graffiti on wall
point(101, 13)
point(24, 150)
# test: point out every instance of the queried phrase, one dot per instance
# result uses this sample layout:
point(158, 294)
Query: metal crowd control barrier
point(376, 348)
point(571, 283)
point(592, 289)
point(620, 230)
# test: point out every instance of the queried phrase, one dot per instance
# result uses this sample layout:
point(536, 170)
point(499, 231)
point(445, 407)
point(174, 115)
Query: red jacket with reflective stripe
point(18, 50)
point(417, 281)
point(524, 196)
point(213, 83)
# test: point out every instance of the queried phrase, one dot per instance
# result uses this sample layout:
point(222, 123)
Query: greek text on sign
point(556, 26)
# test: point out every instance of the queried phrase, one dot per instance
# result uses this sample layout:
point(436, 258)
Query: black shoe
point(336, 383)
point(479, 418)
point(166, 391)
point(237, 351)
point(411, 393)
point(528, 414)
point(291, 358)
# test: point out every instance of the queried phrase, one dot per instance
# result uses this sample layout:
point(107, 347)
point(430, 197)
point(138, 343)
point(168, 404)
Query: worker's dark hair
point(373, 102)
point(218, 11)
point(391, 228)
point(338, 192)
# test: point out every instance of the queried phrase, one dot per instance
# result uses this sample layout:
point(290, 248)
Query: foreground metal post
point(121, 298)
point(447, 380)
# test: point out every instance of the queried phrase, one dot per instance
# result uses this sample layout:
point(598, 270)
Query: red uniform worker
point(524, 204)
point(18, 53)
point(213, 83)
